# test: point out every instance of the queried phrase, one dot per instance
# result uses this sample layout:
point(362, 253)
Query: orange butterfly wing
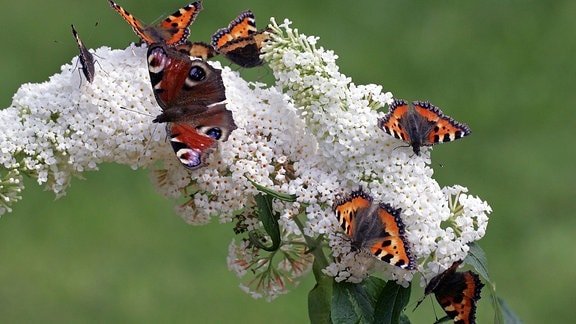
point(445, 128)
point(391, 247)
point(242, 26)
point(383, 237)
point(178, 23)
point(172, 31)
point(241, 42)
point(457, 293)
point(347, 208)
point(391, 123)
point(191, 147)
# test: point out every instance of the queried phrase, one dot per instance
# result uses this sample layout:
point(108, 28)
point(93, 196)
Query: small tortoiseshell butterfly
point(457, 293)
point(241, 41)
point(85, 57)
point(173, 30)
point(191, 94)
point(423, 124)
point(375, 227)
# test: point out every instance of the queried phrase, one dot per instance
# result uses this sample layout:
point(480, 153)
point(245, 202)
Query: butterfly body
point(86, 58)
point(421, 124)
point(191, 94)
point(241, 42)
point(173, 30)
point(457, 293)
point(376, 228)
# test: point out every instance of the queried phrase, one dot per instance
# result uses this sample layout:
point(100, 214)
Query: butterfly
point(173, 30)
point(85, 57)
point(191, 94)
point(423, 124)
point(375, 227)
point(457, 293)
point(241, 41)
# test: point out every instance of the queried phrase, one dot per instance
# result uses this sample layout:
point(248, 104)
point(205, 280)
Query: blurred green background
point(113, 250)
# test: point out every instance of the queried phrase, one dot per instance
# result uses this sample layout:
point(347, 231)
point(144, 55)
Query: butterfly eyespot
point(197, 74)
point(214, 133)
point(157, 60)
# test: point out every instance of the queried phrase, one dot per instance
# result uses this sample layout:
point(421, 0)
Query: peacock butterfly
point(191, 94)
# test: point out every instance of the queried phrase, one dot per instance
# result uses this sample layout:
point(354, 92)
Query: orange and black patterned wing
point(378, 229)
point(347, 209)
point(392, 123)
point(391, 245)
point(241, 42)
point(242, 26)
point(457, 293)
point(420, 125)
point(445, 129)
point(173, 30)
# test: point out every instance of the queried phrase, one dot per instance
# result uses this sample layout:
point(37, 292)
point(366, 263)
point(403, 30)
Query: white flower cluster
point(313, 135)
point(10, 187)
point(64, 126)
point(353, 152)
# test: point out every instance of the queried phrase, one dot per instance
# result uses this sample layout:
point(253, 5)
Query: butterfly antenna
point(422, 299)
point(137, 111)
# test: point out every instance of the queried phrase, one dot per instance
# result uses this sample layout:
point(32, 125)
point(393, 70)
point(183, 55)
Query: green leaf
point(275, 194)
point(509, 316)
point(319, 298)
point(373, 287)
point(391, 303)
point(351, 303)
point(404, 319)
point(502, 313)
point(354, 303)
point(477, 259)
point(269, 221)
